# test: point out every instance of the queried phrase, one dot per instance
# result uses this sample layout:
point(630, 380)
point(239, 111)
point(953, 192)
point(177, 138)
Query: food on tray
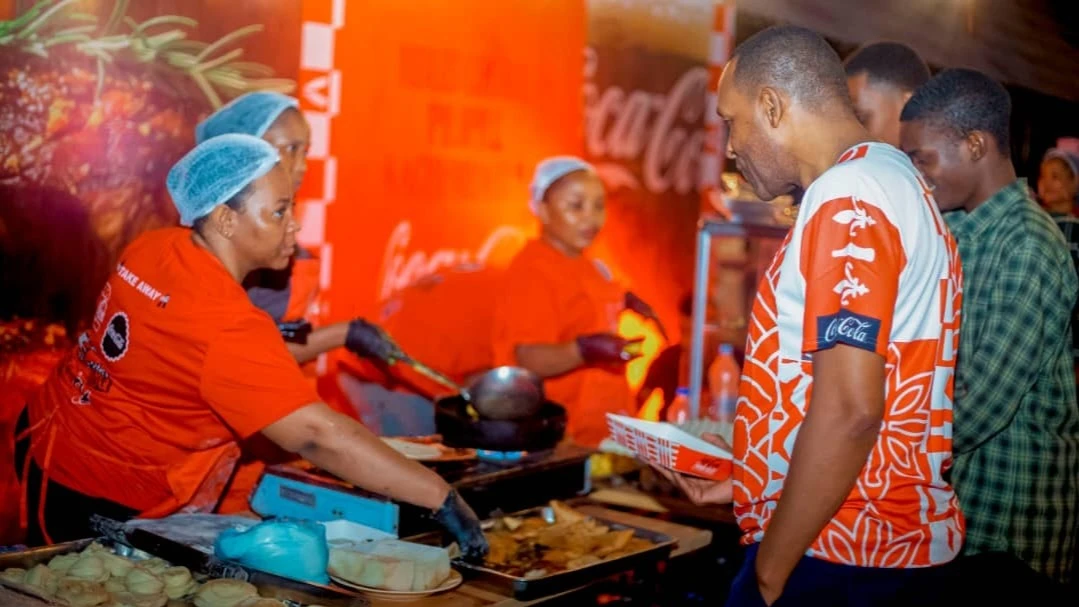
point(89, 567)
point(178, 582)
point(391, 565)
point(60, 564)
point(532, 547)
point(42, 578)
point(98, 577)
point(131, 599)
point(413, 450)
point(224, 593)
point(14, 574)
point(81, 593)
point(143, 581)
point(260, 602)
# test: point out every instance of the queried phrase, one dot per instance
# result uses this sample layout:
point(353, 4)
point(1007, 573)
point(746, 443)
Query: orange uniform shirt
point(147, 409)
point(302, 291)
point(549, 298)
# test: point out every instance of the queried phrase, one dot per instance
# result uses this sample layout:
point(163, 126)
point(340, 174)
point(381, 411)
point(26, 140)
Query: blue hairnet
point(215, 171)
point(250, 114)
point(551, 170)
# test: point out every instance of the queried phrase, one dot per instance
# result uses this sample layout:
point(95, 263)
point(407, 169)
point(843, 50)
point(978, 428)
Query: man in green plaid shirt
point(1016, 425)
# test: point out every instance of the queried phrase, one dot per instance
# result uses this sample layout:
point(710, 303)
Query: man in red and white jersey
point(843, 429)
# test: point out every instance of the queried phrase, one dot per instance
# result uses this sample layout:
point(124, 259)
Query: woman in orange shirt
point(288, 294)
point(557, 314)
point(144, 415)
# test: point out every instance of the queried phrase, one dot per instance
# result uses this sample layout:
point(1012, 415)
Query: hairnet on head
point(551, 170)
point(250, 114)
point(1069, 158)
point(215, 171)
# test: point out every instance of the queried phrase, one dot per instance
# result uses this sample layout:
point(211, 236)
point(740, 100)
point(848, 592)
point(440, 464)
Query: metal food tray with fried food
point(526, 588)
point(27, 559)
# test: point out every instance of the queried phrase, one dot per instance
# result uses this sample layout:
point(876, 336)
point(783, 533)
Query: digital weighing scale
point(491, 483)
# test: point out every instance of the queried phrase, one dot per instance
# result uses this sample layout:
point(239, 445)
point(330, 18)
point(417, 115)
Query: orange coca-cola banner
point(433, 130)
point(646, 107)
point(442, 110)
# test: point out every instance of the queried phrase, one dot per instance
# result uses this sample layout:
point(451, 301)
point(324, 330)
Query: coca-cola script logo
point(115, 340)
point(848, 328)
point(401, 268)
point(664, 131)
point(709, 467)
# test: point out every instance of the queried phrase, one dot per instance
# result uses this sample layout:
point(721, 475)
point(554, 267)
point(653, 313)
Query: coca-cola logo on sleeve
point(848, 328)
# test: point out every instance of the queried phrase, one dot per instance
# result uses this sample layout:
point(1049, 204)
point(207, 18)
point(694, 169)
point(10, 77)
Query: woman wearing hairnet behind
point(558, 309)
point(143, 416)
point(287, 293)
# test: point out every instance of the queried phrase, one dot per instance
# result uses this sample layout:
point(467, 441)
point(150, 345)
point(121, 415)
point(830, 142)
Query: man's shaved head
point(795, 60)
point(890, 63)
point(783, 95)
point(882, 76)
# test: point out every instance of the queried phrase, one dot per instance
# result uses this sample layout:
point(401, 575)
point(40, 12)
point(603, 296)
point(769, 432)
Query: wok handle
point(437, 377)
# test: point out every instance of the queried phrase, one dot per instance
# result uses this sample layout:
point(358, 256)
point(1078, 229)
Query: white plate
point(451, 582)
point(411, 450)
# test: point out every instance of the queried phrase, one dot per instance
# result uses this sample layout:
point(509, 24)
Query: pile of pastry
point(96, 577)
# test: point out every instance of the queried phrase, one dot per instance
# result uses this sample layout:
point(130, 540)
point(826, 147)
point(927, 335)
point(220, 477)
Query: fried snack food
point(81, 593)
point(14, 574)
point(531, 547)
point(42, 578)
point(142, 581)
point(89, 567)
point(224, 593)
point(178, 582)
point(61, 563)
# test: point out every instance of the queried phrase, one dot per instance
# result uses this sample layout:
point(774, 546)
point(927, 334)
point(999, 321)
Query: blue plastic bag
point(293, 549)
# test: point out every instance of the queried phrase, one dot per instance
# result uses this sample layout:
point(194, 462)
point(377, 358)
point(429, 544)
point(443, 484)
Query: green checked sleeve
point(999, 340)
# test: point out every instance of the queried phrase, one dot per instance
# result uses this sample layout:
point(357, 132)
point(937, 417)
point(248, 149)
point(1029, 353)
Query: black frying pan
point(538, 432)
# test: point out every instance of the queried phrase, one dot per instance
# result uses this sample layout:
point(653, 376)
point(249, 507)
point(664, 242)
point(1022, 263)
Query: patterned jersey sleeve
point(851, 259)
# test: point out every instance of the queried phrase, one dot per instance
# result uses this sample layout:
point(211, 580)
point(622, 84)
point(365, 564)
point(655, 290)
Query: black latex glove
point(458, 519)
point(295, 332)
point(607, 348)
point(370, 341)
point(634, 303)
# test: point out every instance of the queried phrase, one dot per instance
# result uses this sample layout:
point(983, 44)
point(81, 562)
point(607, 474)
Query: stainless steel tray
point(42, 555)
point(531, 588)
point(35, 556)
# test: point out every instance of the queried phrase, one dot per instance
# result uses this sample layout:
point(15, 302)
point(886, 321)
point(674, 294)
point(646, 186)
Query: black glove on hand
point(295, 332)
point(370, 341)
point(607, 348)
point(457, 518)
point(640, 306)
